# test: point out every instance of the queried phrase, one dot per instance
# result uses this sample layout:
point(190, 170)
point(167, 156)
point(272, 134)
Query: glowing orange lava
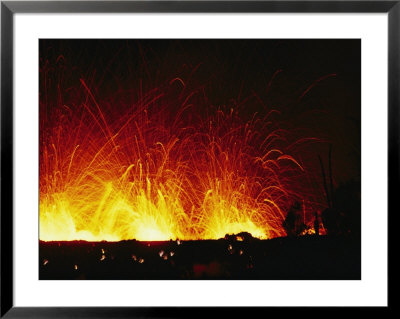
point(147, 174)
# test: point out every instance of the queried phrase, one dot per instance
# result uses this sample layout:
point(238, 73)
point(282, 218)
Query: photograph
point(199, 159)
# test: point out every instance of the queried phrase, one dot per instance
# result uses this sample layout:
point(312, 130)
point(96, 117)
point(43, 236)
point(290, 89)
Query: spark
point(139, 176)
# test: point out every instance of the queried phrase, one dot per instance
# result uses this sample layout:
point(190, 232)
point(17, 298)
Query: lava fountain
point(162, 166)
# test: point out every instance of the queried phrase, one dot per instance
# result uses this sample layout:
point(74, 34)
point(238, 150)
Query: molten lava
point(160, 168)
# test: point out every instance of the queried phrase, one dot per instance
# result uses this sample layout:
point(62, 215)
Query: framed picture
point(163, 155)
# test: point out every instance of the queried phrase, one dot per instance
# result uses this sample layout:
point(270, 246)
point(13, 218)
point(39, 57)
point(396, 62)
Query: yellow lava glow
point(116, 217)
point(100, 211)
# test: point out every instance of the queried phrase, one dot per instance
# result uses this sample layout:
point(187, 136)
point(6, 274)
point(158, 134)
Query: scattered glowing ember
point(45, 262)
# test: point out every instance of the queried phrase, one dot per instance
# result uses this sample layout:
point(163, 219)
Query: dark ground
point(306, 257)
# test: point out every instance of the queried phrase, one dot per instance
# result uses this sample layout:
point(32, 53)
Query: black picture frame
point(9, 8)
